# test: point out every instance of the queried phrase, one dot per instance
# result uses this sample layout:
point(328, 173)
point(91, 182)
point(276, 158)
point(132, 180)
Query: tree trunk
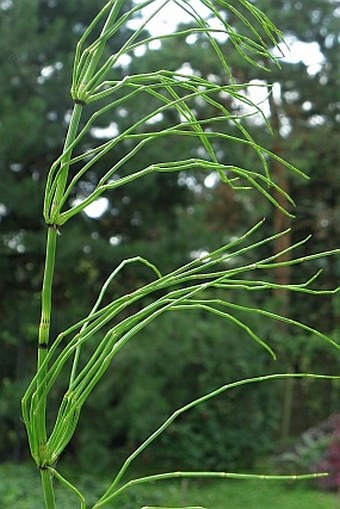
point(282, 275)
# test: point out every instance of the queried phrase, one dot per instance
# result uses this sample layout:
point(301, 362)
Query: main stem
point(45, 320)
point(46, 304)
point(44, 333)
point(48, 489)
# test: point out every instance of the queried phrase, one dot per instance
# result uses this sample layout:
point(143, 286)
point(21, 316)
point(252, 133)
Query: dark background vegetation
point(169, 219)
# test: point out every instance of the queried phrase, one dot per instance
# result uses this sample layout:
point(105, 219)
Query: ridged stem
point(43, 338)
point(48, 489)
point(42, 455)
point(44, 332)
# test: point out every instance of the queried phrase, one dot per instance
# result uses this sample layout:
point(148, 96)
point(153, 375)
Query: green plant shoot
point(110, 326)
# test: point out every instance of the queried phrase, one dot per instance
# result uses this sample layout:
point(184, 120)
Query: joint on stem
point(45, 466)
point(81, 102)
point(54, 226)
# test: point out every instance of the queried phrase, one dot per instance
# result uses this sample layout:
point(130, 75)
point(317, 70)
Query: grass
point(19, 488)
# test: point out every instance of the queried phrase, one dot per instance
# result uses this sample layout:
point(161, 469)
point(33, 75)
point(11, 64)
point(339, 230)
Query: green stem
point(43, 338)
point(70, 486)
point(64, 167)
point(211, 475)
point(41, 454)
point(48, 490)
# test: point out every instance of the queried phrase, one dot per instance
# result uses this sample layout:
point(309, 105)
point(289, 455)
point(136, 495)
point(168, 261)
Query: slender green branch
point(100, 298)
point(70, 486)
point(195, 403)
point(209, 475)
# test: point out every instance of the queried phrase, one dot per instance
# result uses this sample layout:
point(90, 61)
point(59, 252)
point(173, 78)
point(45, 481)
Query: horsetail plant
point(184, 288)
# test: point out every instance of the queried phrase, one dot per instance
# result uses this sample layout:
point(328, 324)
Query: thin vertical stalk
point(44, 332)
point(48, 490)
point(46, 309)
